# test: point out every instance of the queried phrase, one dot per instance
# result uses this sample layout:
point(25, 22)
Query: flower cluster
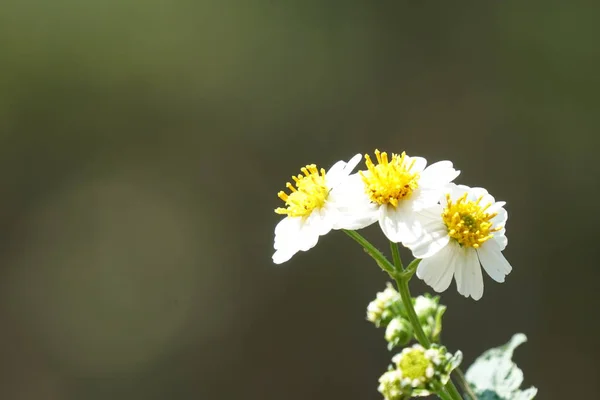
point(453, 228)
point(388, 311)
point(418, 372)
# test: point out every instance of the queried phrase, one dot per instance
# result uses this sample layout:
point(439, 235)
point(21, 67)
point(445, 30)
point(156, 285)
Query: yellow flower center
point(388, 182)
point(414, 364)
point(310, 193)
point(468, 222)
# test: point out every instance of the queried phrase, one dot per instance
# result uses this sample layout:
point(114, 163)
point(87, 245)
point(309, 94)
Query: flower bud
point(386, 306)
point(426, 306)
point(430, 314)
point(398, 332)
point(390, 385)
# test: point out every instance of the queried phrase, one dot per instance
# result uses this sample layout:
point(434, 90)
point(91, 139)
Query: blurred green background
point(143, 144)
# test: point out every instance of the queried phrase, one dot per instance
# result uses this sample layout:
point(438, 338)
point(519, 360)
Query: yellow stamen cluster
point(414, 364)
point(468, 222)
point(310, 193)
point(389, 181)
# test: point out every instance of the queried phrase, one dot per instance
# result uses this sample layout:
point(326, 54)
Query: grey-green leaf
point(494, 375)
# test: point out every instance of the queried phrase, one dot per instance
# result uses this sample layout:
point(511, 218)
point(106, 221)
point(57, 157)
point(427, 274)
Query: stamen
point(309, 193)
point(468, 222)
point(390, 181)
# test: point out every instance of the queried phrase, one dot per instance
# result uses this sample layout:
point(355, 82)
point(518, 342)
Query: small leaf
point(494, 375)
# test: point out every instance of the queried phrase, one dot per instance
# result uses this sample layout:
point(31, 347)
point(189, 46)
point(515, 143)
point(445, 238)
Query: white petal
point(399, 224)
point(477, 192)
point(429, 244)
point(349, 190)
point(321, 220)
point(501, 218)
point(501, 240)
point(459, 276)
point(433, 233)
point(355, 210)
point(352, 164)
point(425, 197)
point(469, 280)
point(282, 256)
point(335, 171)
point(361, 219)
point(437, 271)
point(287, 233)
point(493, 261)
point(296, 234)
point(446, 190)
point(419, 163)
point(309, 233)
point(286, 230)
point(340, 170)
point(438, 174)
point(456, 191)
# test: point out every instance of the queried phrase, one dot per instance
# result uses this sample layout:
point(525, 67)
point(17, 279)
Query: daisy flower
point(312, 208)
point(467, 229)
point(391, 191)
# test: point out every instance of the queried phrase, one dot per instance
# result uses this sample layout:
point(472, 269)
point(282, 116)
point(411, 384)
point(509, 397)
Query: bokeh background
point(143, 144)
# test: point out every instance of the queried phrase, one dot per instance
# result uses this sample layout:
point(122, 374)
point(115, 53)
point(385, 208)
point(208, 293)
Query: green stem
point(410, 270)
point(412, 315)
point(462, 381)
point(441, 392)
point(421, 337)
point(454, 393)
point(378, 256)
point(403, 289)
point(396, 256)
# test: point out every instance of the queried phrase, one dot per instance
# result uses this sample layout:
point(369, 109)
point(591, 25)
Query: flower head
point(392, 190)
point(418, 372)
point(312, 208)
point(466, 230)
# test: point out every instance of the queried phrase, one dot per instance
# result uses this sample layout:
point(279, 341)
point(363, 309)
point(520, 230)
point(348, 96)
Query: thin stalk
point(378, 256)
point(396, 256)
point(462, 381)
point(441, 392)
point(412, 315)
point(410, 270)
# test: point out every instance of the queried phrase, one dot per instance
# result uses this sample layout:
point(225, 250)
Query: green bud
point(390, 386)
point(430, 312)
point(426, 306)
point(386, 306)
point(398, 332)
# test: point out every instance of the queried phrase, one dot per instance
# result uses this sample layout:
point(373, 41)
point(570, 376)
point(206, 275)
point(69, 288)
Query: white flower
point(467, 229)
point(391, 191)
point(311, 208)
